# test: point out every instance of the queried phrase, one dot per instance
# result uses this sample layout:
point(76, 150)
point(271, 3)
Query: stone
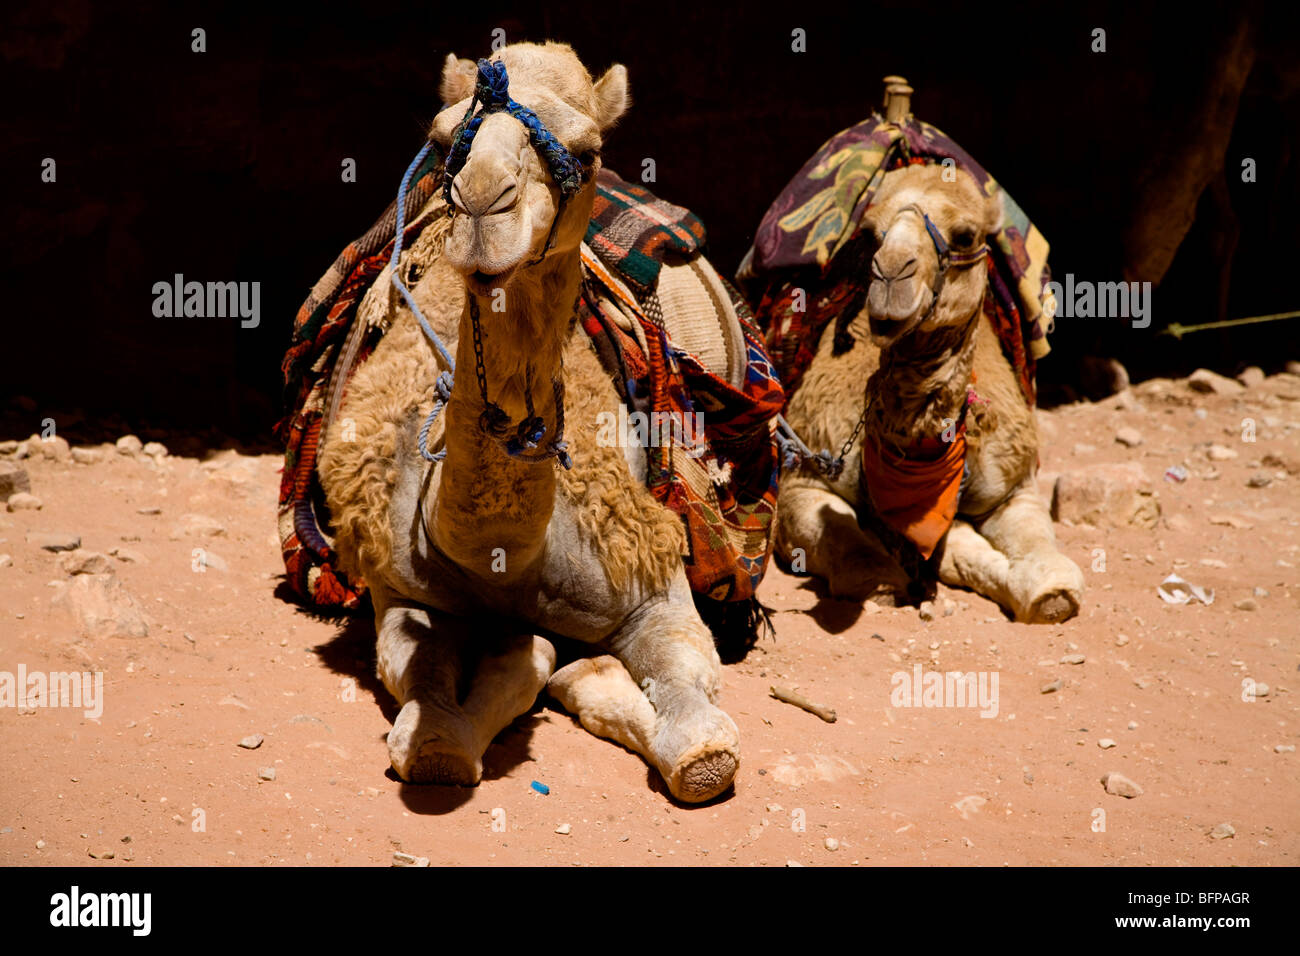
point(1132, 725)
point(102, 606)
point(1247, 604)
point(210, 559)
point(1100, 494)
point(1223, 831)
point(1259, 481)
point(82, 561)
point(1105, 743)
point(1118, 785)
point(1284, 749)
point(926, 611)
point(155, 449)
point(1262, 689)
point(1100, 377)
point(1212, 383)
point(54, 541)
point(6, 560)
point(102, 854)
point(127, 556)
point(85, 456)
point(54, 448)
point(129, 445)
point(832, 844)
point(1129, 437)
point(197, 526)
point(22, 501)
point(1121, 640)
point(1230, 521)
point(252, 741)
point(266, 773)
point(1220, 453)
point(1073, 659)
point(13, 479)
point(406, 859)
point(1051, 688)
point(1251, 376)
point(564, 829)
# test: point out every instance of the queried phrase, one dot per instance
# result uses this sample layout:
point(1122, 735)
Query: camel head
point(906, 267)
point(505, 198)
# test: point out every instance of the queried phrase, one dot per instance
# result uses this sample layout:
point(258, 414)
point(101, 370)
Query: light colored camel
point(918, 364)
point(470, 559)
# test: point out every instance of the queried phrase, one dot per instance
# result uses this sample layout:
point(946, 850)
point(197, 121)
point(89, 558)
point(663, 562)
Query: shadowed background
point(225, 165)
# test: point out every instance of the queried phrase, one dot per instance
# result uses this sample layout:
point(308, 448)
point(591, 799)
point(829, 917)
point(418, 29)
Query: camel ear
point(992, 214)
point(457, 79)
point(612, 98)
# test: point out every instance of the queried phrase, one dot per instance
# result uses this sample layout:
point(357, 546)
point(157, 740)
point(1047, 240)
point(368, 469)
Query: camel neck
point(920, 386)
point(491, 511)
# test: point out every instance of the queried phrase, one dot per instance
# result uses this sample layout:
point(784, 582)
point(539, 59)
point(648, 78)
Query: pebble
point(129, 445)
point(23, 501)
point(252, 742)
point(1051, 688)
point(1118, 785)
point(155, 449)
point(266, 773)
point(1220, 453)
point(832, 844)
point(1121, 640)
point(926, 612)
point(82, 561)
point(1223, 831)
point(1105, 743)
point(102, 855)
point(54, 542)
point(1129, 437)
point(406, 859)
point(85, 456)
point(1284, 749)
point(151, 510)
point(6, 560)
point(564, 829)
point(1132, 725)
point(1259, 481)
point(13, 479)
point(1262, 689)
point(40, 844)
point(1073, 659)
point(1260, 592)
point(1247, 604)
point(1251, 376)
point(1203, 380)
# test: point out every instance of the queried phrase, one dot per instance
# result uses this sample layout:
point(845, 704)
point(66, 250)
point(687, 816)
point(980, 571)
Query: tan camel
point(926, 370)
point(470, 559)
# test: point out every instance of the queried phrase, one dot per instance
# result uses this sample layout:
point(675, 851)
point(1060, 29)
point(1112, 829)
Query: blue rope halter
point(492, 90)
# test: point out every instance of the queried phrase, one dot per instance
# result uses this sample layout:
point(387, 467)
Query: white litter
point(1174, 590)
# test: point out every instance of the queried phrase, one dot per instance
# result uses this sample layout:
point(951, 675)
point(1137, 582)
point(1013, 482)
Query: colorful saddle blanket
point(724, 491)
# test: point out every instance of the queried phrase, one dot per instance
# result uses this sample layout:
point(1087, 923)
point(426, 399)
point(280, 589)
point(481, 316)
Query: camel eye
point(588, 157)
point(963, 237)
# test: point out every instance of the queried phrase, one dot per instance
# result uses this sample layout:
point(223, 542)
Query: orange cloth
point(917, 496)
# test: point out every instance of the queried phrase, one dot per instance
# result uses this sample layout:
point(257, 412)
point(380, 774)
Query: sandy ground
point(159, 778)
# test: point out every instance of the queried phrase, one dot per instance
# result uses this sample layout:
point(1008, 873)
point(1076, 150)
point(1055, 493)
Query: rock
point(1251, 376)
point(129, 445)
point(1212, 383)
point(1129, 437)
point(252, 742)
point(82, 561)
point(1101, 377)
point(1247, 604)
point(406, 859)
point(1230, 521)
point(22, 501)
point(40, 844)
point(6, 560)
point(127, 555)
point(1223, 831)
point(54, 448)
point(926, 611)
point(102, 606)
point(54, 542)
point(1099, 494)
point(1105, 743)
point(155, 449)
point(1132, 725)
point(13, 479)
point(1284, 749)
point(266, 773)
point(832, 844)
point(85, 456)
point(1259, 481)
point(1118, 785)
point(197, 526)
point(1259, 592)
point(102, 854)
point(1051, 688)
point(1121, 640)
point(210, 559)
point(1220, 453)
point(564, 829)
point(1262, 689)
point(1073, 659)
point(149, 510)
point(969, 804)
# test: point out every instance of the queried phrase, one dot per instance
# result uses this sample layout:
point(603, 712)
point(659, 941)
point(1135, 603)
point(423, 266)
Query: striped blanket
point(727, 513)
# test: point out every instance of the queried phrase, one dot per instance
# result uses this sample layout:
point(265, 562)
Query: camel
point(476, 560)
point(932, 365)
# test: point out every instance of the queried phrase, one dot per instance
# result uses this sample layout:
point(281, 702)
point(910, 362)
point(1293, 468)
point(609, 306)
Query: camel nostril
point(901, 273)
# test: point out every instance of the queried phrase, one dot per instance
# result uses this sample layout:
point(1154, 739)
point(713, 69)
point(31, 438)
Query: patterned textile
point(809, 262)
point(725, 492)
point(917, 496)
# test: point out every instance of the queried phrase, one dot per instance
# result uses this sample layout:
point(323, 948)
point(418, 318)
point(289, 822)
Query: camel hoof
point(1054, 608)
point(432, 744)
point(702, 776)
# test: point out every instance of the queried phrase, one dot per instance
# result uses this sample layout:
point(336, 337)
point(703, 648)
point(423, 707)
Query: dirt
point(160, 777)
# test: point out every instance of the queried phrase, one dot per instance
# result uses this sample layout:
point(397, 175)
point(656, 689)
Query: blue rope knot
point(492, 87)
point(528, 434)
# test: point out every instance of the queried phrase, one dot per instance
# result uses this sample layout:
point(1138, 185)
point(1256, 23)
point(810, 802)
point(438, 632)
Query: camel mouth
point(887, 330)
point(485, 283)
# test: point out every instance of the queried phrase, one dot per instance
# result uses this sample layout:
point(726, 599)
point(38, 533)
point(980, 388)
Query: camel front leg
point(658, 696)
point(440, 735)
point(817, 525)
point(1044, 586)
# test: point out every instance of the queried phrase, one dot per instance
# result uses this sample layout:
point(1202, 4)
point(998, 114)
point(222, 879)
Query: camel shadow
point(833, 615)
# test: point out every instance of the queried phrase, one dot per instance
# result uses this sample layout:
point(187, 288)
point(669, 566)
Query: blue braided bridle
point(492, 91)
